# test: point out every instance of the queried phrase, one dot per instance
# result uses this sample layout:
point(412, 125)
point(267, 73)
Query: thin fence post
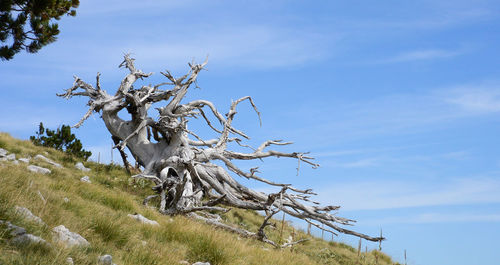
point(99, 158)
point(111, 153)
point(309, 229)
point(322, 231)
point(405, 257)
point(380, 241)
point(282, 227)
point(359, 247)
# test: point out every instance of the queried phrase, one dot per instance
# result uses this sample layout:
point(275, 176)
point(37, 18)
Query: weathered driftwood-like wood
point(180, 163)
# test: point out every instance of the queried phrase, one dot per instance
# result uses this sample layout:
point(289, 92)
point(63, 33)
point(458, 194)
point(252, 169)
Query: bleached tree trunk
point(182, 168)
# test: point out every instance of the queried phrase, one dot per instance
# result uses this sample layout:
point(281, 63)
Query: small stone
point(3, 152)
point(13, 230)
point(24, 160)
point(69, 239)
point(81, 167)
point(38, 169)
point(144, 243)
point(66, 200)
point(15, 162)
point(43, 158)
point(184, 262)
point(106, 260)
point(69, 261)
point(142, 219)
point(201, 263)
point(28, 215)
point(85, 179)
point(11, 157)
point(20, 236)
point(28, 239)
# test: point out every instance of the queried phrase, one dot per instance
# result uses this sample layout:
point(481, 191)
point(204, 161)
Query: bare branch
point(183, 170)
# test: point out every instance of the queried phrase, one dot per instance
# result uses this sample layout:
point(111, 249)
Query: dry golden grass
point(98, 211)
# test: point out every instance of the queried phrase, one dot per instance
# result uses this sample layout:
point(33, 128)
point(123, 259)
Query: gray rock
point(43, 158)
point(184, 262)
point(15, 162)
point(28, 215)
point(13, 230)
point(38, 169)
point(201, 263)
point(66, 200)
point(106, 260)
point(11, 157)
point(24, 160)
point(20, 236)
point(28, 239)
point(3, 152)
point(142, 219)
point(67, 238)
point(85, 179)
point(69, 261)
point(81, 167)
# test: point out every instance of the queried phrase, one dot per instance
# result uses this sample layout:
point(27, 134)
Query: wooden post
point(322, 231)
point(112, 153)
point(99, 158)
point(380, 241)
point(309, 229)
point(359, 247)
point(405, 257)
point(282, 227)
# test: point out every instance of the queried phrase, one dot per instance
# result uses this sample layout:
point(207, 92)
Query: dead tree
point(181, 164)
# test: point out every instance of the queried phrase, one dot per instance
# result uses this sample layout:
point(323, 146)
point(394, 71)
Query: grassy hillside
point(98, 211)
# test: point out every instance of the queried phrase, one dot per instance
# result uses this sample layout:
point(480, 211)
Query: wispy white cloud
point(435, 18)
point(421, 55)
point(433, 217)
point(375, 195)
point(477, 99)
point(393, 114)
point(240, 46)
point(360, 163)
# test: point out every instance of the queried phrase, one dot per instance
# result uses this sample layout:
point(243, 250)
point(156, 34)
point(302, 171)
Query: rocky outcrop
point(67, 238)
point(38, 169)
point(142, 219)
point(28, 215)
point(106, 260)
point(43, 158)
point(81, 167)
point(24, 160)
point(19, 235)
point(85, 179)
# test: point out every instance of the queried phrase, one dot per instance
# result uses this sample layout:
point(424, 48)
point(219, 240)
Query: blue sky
point(399, 101)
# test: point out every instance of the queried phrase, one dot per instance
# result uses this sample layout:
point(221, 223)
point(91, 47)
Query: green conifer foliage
point(28, 24)
point(60, 139)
